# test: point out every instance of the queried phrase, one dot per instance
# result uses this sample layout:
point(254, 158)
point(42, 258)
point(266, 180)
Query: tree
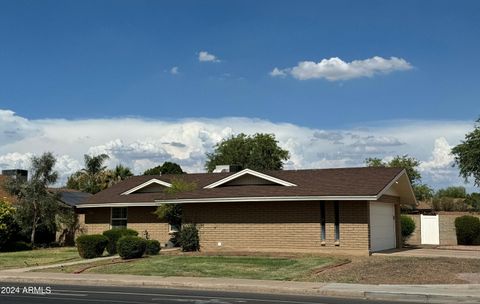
point(172, 213)
point(406, 162)
point(257, 152)
point(453, 192)
point(36, 205)
point(166, 168)
point(118, 174)
point(467, 155)
point(93, 178)
point(423, 192)
point(8, 226)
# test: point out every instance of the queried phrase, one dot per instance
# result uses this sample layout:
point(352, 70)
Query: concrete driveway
point(431, 252)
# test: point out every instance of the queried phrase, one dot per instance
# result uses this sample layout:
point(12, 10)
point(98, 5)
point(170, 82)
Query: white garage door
point(382, 226)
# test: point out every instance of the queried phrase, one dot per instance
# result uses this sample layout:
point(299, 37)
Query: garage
point(382, 226)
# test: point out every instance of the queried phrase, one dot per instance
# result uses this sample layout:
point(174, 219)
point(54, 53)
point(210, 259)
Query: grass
point(20, 259)
point(242, 267)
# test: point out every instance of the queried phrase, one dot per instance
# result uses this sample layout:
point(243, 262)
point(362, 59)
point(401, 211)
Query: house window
point(322, 221)
point(119, 217)
point(337, 220)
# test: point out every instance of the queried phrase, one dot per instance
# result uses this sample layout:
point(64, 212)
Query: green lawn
point(37, 257)
point(254, 267)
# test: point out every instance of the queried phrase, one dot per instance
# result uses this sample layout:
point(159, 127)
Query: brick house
point(345, 209)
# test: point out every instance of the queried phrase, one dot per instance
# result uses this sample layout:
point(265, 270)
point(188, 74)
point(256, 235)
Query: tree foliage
point(258, 152)
point(172, 213)
point(467, 155)
point(423, 192)
point(36, 205)
point(165, 168)
point(8, 226)
point(453, 192)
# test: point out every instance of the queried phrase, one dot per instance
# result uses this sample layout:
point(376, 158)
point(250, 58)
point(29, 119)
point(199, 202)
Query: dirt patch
point(400, 270)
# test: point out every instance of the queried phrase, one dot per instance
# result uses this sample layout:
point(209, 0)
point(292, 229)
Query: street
point(34, 293)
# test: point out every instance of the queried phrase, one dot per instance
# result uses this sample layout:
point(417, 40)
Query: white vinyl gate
point(429, 226)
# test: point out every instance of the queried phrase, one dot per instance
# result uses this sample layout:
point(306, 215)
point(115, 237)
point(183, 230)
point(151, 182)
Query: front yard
point(313, 268)
point(21, 259)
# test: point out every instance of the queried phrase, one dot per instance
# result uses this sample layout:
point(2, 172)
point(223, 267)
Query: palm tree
point(91, 178)
point(118, 174)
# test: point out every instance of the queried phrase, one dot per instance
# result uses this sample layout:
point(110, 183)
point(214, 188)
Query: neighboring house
point(15, 174)
point(69, 198)
point(353, 209)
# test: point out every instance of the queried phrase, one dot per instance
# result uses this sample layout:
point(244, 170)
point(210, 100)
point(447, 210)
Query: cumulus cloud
point(205, 56)
point(174, 70)
point(335, 69)
point(144, 143)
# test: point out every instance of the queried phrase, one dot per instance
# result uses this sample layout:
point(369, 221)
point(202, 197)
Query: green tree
point(93, 178)
point(406, 162)
point(467, 155)
point(258, 152)
point(8, 226)
point(423, 192)
point(473, 201)
point(453, 192)
point(172, 213)
point(118, 174)
point(36, 205)
point(166, 168)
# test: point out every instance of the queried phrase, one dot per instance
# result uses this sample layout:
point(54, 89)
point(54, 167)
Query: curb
point(252, 286)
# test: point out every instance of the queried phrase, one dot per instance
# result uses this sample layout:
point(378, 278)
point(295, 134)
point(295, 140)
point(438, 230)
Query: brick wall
point(278, 225)
point(141, 219)
point(447, 231)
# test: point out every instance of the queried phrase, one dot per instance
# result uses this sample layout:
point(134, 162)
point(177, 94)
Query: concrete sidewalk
point(467, 293)
point(431, 253)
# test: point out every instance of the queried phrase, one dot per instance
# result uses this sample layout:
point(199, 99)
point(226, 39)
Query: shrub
point(91, 246)
point(8, 226)
point(407, 225)
point(468, 230)
point(114, 235)
point(131, 247)
point(17, 246)
point(188, 238)
point(153, 247)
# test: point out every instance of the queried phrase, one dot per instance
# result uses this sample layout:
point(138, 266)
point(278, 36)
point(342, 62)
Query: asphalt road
point(49, 294)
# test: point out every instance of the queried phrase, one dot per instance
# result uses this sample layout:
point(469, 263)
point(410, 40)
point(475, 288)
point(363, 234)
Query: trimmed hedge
point(114, 235)
point(188, 238)
point(131, 247)
point(468, 230)
point(153, 247)
point(407, 226)
point(91, 246)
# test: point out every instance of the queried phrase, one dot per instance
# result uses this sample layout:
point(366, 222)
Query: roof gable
point(147, 184)
point(258, 179)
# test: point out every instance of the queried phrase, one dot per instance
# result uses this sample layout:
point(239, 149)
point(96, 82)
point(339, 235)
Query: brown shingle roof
point(316, 182)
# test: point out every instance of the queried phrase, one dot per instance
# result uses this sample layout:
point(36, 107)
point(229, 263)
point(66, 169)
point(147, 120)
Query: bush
point(91, 246)
point(114, 235)
point(8, 226)
point(131, 247)
point(188, 238)
point(153, 247)
point(407, 225)
point(17, 246)
point(468, 230)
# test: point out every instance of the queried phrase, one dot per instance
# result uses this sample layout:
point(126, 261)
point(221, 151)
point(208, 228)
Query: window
point(337, 220)
point(119, 217)
point(322, 221)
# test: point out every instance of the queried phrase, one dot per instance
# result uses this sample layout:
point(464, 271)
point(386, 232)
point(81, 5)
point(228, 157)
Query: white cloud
point(144, 143)
point(276, 72)
point(334, 69)
point(174, 70)
point(205, 56)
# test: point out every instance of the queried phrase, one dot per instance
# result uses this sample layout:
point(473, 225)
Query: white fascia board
point(394, 180)
point(99, 205)
point(147, 183)
point(251, 172)
point(268, 199)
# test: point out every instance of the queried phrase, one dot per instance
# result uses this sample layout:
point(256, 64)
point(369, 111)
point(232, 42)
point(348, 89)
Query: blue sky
point(354, 79)
point(78, 59)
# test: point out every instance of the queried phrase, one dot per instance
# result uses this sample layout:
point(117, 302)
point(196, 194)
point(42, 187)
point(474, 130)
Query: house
point(346, 209)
